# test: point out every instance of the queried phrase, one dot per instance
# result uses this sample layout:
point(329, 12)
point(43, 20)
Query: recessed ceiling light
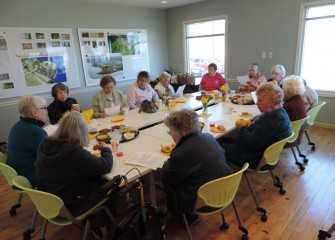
point(163, 2)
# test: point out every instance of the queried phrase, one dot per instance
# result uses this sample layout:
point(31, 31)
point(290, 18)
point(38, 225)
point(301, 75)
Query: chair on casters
point(294, 141)
point(217, 195)
point(9, 174)
point(326, 234)
point(268, 163)
point(52, 209)
point(312, 113)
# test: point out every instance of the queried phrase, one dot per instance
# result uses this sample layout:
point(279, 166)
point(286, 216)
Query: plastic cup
point(232, 93)
point(75, 106)
point(115, 145)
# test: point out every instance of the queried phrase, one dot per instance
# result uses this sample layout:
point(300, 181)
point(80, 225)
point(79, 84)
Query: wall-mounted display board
point(33, 59)
point(119, 53)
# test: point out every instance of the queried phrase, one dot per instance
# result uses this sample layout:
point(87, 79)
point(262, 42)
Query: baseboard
point(324, 125)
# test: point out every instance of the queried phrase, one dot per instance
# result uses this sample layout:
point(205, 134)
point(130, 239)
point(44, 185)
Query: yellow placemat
point(173, 104)
point(164, 109)
point(118, 119)
point(205, 116)
point(181, 101)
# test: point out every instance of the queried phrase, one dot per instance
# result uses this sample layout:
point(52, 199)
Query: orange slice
point(216, 130)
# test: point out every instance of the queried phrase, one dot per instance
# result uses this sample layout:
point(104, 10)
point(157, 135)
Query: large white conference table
point(150, 139)
point(217, 114)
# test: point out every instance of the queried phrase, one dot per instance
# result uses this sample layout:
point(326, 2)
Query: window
point(205, 44)
point(316, 51)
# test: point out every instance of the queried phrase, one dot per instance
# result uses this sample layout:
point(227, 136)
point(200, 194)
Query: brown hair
point(107, 79)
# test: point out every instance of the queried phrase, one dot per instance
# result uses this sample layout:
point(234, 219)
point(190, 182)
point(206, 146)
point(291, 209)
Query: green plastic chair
point(297, 128)
point(217, 195)
point(267, 164)
point(312, 113)
point(9, 174)
point(53, 210)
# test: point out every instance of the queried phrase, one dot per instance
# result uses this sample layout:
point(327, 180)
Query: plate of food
point(246, 115)
point(218, 129)
point(242, 122)
point(121, 132)
point(166, 150)
point(242, 99)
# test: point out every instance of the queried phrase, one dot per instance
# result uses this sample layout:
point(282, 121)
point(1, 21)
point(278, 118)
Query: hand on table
point(100, 145)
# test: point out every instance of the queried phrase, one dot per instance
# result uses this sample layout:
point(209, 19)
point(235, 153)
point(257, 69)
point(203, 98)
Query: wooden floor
point(308, 205)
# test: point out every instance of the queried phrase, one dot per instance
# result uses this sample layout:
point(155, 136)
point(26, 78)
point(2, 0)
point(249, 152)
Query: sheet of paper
point(180, 90)
point(50, 129)
point(147, 159)
point(114, 110)
point(242, 79)
point(254, 96)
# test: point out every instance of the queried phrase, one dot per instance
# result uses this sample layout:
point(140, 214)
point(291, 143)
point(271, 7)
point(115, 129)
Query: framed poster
point(33, 59)
point(119, 53)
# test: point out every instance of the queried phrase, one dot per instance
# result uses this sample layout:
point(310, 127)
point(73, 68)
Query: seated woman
point(272, 125)
point(310, 96)
point(294, 104)
point(26, 135)
point(61, 103)
point(66, 169)
point(164, 86)
point(108, 97)
point(140, 91)
point(212, 80)
point(196, 159)
point(255, 79)
point(278, 73)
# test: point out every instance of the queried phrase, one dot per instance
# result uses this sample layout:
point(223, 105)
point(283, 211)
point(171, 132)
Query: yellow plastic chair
point(312, 113)
point(217, 195)
point(9, 174)
point(293, 141)
point(267, 164)
point(53, 210)
point(87, 114)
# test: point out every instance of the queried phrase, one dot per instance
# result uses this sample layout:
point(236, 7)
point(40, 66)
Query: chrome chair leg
point(187, 227)
point(309, 141)
point(27, 233)
point(264, 217)
point(326, 234)
point(302, 155)
point(302, 168)
point(224, 225)
point(12, 210)
point(277, 183)
point(240, 226)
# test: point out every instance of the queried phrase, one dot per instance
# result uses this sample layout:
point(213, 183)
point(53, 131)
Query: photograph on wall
point(37, 58)
point(99, 66)
point(44, 70)
point(3, 44)
point(119, 53)
point(124, 44)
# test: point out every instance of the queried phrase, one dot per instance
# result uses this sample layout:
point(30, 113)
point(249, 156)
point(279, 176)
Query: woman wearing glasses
point(255, 79)
point(26, 135)
point(140, 91)
point(61, 104)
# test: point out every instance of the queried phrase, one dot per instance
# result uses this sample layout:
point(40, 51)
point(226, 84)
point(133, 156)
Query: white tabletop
point(218, 115)
point(142, 143)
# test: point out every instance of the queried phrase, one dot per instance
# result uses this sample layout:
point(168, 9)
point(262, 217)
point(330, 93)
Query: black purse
point(148, 107)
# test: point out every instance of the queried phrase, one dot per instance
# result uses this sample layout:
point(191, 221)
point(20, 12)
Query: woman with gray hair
point(272, 125)
point(294, 104)
point(26, 135)
point(196, 159)
point(66, 169)
point(164, 86)
point(278, 73)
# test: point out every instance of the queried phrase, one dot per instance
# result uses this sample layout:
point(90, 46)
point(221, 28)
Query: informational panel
point(119, 53)
point(33, 59)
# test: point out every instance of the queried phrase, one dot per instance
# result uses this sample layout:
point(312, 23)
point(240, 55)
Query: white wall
point(74, 15)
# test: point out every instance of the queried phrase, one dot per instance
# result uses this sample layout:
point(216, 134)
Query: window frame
point(300, 40)
point(185, 47)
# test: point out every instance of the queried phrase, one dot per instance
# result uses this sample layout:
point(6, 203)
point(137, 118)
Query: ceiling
point(145, 3)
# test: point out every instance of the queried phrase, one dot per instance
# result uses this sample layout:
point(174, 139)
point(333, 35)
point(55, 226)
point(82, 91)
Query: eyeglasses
point(42, 108)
